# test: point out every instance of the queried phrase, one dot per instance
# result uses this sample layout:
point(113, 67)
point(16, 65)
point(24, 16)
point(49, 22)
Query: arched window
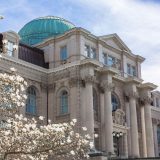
point(64, 102)
point(31, 100)
point(95, 104)
point(115, 102)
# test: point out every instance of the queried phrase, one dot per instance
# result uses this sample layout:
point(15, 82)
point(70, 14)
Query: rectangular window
point(93, 53)
point(87, 51)
point(10, 48)
point(128, 68)
point(111, 60)
point(105, 58)
point(131, 70)
point(63, 53)
point(90, 52)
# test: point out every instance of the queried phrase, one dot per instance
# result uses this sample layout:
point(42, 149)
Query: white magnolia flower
point(84, 128)
point(72, 152)
point(13, 69)
point(41, 118)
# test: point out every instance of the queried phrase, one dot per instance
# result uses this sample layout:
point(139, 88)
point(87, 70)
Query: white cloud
point(137, 23)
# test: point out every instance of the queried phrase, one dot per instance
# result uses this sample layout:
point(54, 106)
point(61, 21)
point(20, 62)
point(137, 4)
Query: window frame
point(63, 108)
point(63, 53)
point(90, 51)
point(116, 105)
point(10, 51)
point(30, 99)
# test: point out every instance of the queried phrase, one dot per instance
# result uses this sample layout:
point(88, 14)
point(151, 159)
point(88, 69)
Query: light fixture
point(120, 133)
point(114, 133)
point(4, 41)
point(15, 47)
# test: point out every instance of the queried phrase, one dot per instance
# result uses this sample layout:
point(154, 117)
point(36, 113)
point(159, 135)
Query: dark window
point(95, 104)
point(115, 102)
point(31, 101)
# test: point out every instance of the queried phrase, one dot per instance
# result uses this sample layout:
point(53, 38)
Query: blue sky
point(137, 22)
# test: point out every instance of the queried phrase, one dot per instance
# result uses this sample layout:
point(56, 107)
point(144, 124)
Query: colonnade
point(131, 139)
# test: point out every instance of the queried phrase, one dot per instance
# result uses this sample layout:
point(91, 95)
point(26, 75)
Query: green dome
point(42, 28)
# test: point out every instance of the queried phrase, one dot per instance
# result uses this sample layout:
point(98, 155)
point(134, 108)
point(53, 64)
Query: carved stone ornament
point(119, 117)
point(90, 79)
point(146, 100)
point(131, 94)
point(107, 86)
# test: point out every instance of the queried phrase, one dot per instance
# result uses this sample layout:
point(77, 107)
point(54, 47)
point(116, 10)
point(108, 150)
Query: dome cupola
point(42, 28)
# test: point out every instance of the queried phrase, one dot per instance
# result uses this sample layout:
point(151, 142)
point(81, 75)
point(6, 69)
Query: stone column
point(128, 124)
point(143, 132)
point(108, 117)
point(134, 127)
point(74, 102)
point(125, 143)
point(89, 115)
point(155, 139)
point(149, 129)
point(102, 121)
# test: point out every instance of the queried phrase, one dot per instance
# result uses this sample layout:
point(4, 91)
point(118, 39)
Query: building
point(97, 80)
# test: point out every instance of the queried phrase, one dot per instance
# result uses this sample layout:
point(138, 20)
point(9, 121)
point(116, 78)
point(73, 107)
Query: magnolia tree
point(27, 139)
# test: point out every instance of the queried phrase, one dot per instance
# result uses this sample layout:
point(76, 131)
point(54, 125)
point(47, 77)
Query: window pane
point(133, 71)
point(63, 53)
point(64, 102)
point(93, 53)
point(87, 51)
point(115, 104)
point(10, 49)
point(111, 60)
point(105, 58)
point(128, 69)
point(31, 101)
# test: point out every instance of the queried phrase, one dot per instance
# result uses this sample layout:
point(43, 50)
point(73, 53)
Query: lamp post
point(117, 136)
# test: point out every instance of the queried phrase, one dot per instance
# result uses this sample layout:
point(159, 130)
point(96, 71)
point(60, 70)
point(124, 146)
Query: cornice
point(148, 86)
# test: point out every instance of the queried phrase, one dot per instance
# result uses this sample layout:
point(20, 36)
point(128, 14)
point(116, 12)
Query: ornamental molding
point(119, 117)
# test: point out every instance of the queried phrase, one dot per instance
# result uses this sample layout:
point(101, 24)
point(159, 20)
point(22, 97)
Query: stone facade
point(105, 92)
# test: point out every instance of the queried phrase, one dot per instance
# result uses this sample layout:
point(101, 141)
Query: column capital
point(89, 79)
point(107, 86)
point(146, 100)
point(131, 94)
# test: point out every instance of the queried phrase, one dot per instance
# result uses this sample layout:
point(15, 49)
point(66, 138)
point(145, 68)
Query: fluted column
point(149, 128)
point(143, 132)
point(134, 127)
point(108, 117)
